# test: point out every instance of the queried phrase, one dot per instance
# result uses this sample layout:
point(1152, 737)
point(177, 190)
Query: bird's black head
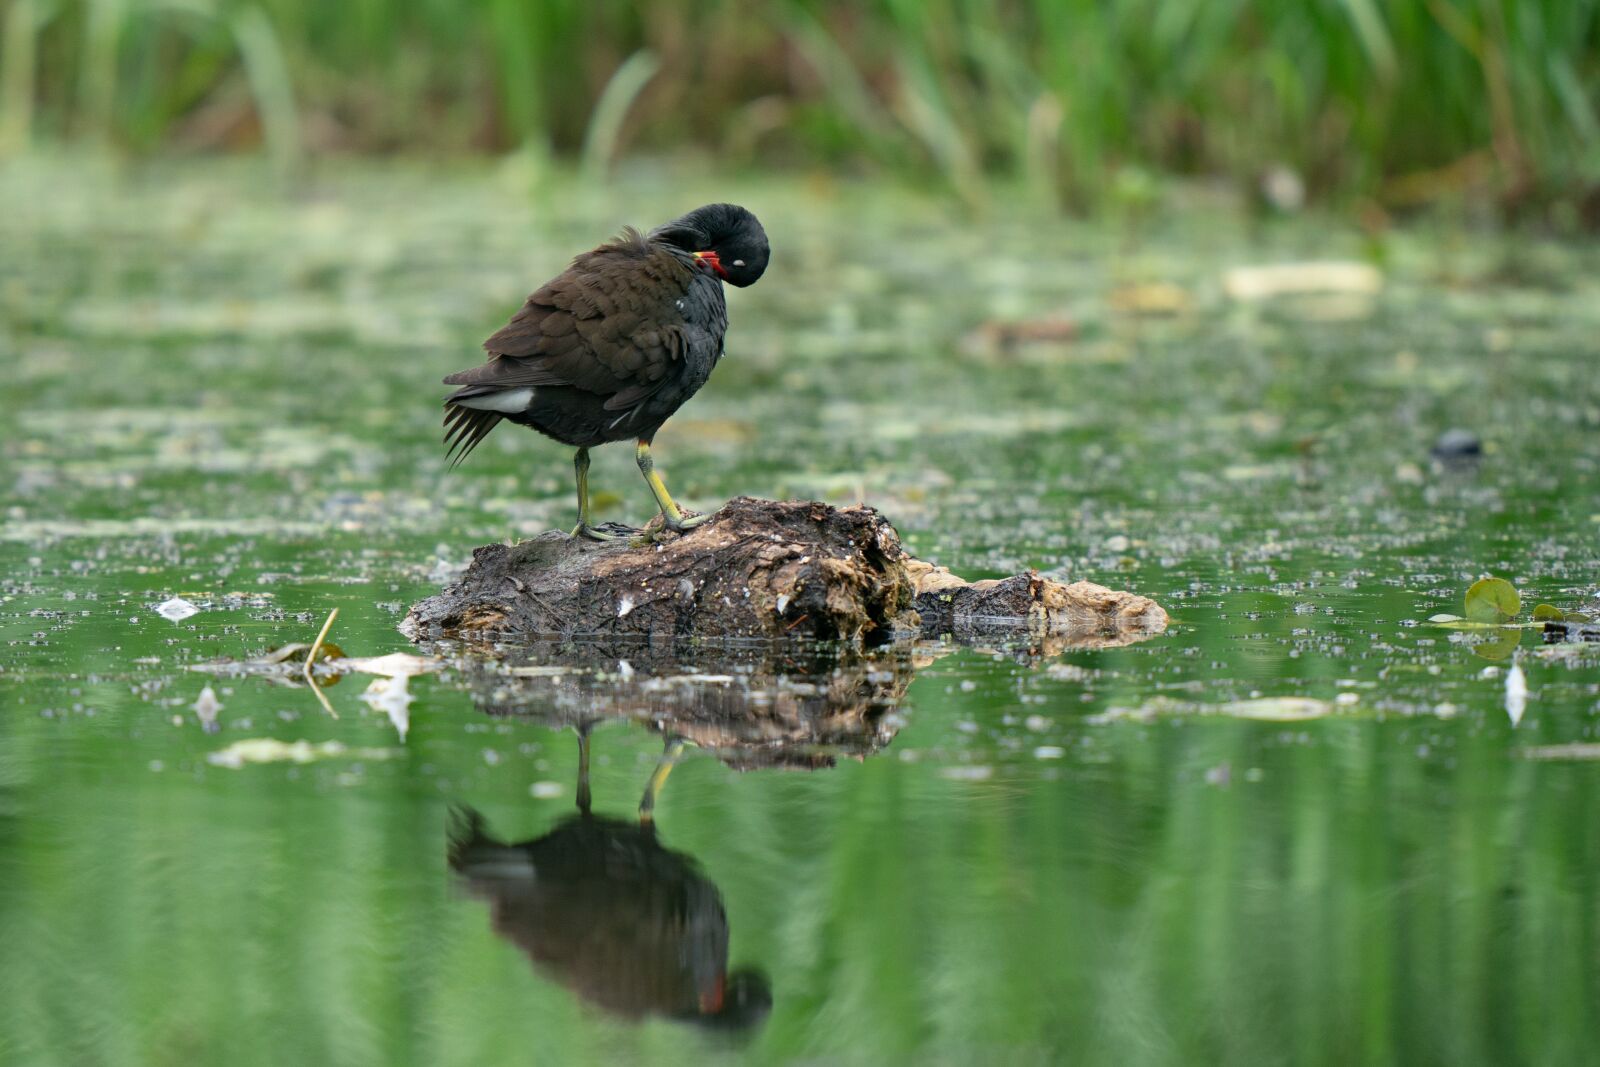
point(746, 1002)
point(724, 237)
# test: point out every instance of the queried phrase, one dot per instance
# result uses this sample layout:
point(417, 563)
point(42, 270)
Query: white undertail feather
point(506, 402)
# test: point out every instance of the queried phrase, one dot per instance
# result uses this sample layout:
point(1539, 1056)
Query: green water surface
point(1299, 827)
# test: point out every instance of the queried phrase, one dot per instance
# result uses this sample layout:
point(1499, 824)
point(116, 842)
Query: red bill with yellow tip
point(711, 260)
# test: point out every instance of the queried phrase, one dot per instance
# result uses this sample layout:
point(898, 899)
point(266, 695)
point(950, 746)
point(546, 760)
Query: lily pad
point(1499, 646)
point(1493, 600)
point(1548, 613)
point(285, 663)
point(295, 651)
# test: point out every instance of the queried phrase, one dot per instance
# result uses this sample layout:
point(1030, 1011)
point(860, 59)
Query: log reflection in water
point(752, 706)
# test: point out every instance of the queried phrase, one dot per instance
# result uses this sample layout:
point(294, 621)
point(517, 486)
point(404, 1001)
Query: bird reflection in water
point(601, 906)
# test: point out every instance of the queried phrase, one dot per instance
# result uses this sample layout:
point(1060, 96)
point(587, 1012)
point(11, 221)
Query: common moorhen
point(611, 348)
point(602, 907)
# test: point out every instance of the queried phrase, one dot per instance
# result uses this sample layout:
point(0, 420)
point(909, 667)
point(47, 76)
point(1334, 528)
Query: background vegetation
point(1382, 104)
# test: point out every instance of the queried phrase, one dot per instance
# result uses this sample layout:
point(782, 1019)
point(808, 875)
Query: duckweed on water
point(1299, 826)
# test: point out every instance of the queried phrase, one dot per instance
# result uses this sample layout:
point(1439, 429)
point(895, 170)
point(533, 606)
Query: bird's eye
point(738, 263)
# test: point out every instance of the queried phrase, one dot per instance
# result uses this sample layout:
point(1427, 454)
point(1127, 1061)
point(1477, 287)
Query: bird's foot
point(606, 531)
point(664, 525)
point(684, 522)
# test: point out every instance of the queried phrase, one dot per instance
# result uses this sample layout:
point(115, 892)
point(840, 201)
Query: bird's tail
point(480, 858)
point(464, 427)
point(465, 834)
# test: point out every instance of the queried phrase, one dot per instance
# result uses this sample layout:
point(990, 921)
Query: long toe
point(599, 533)
point(687, 522)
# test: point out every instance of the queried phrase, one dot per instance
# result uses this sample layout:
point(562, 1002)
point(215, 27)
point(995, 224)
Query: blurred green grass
point(1383, 104)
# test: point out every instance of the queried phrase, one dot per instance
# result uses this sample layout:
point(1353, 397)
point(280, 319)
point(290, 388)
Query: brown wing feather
point(502, 372)
point(596, 327)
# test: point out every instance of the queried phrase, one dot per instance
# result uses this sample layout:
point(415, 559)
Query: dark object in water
point(611, 348)
point(602, 907)
point(1457, 445)
point(1577, 626)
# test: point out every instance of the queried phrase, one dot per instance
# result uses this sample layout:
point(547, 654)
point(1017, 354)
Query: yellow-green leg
point(672, 516)
point(580, 464)
point(669, 759)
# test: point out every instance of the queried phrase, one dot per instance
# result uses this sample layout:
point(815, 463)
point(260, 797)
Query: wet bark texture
point(762, 569)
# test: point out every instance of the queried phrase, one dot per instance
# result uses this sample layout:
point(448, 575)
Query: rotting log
point(763, 569)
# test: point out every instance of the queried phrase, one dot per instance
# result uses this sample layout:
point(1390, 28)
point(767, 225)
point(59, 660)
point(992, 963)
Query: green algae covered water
point(1306, 825)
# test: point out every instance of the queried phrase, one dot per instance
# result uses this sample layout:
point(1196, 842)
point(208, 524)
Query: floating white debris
point(1261, 709)
point(546, 790)
point(1277, 709)
point(624, 605)
point(392, 697)
point(624, 669)
point(394, 665)
point(271, 750)
point(968, 774)
point(1049, 752)
point(176, 610)
point(1516, 693)
point(206, 706)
